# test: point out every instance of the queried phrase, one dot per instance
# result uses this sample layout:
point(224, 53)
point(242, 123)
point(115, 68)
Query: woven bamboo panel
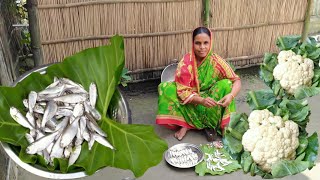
point(275, 19)
point(152, 29)
point(158, 31)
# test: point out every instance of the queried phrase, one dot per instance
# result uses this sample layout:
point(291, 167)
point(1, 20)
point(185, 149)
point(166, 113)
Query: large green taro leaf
point(137, 146)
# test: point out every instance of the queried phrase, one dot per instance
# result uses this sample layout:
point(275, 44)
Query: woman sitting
point(202, 95)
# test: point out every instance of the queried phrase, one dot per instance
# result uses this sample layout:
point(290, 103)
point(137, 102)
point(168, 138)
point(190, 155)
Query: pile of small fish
point(60, 118)
point(183, 157)
point(216, 162)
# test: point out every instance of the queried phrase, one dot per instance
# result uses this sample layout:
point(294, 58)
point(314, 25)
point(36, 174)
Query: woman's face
point(201, 45)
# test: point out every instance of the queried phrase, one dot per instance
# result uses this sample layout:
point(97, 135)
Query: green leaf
point(276, 87)
point(27, 158)
point(242, 127)
point(202, 169)
point(137, 149)
point(102, 65)
point(304, 92)
point(246, 161)
point(270, 61)
point(300, 157)
point(260, 99)
point(234, 119)
point(303, 144)
point(266, 75)
point(285, 168)
point(233, 145)
point(312, 150)
point(316, 76)
point(287, 42)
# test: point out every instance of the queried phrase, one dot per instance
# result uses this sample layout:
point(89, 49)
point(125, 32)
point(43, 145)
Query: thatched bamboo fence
point(158, 31)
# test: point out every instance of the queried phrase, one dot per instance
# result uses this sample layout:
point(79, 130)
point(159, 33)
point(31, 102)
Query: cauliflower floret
point(257, 117)
point(293, 71)
point(284, 55)
point(270, 139)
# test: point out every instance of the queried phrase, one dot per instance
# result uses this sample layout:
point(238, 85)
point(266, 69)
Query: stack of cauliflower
point(293, 71)
point(270, 138)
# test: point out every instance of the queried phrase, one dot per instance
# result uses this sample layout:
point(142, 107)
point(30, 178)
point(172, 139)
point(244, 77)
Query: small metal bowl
point(195, 149)
point(118, 110)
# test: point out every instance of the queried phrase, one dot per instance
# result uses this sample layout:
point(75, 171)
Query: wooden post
point(7, 69)
point(206, 13)
point(32, 7)
point(306, 24)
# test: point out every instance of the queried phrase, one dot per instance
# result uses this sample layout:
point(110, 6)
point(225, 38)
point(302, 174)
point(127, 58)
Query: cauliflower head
point(270, 138)
point(293, 71)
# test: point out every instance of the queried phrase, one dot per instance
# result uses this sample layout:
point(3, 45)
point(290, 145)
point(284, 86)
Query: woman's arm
point(226, 100)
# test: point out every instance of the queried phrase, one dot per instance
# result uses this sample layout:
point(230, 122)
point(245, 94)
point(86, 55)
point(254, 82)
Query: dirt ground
point(142, 99)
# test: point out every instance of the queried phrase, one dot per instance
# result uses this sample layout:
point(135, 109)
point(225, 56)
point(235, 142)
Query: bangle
point(232, 95)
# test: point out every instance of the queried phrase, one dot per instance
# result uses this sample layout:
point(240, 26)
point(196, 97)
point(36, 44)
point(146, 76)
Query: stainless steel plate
point(177, 155)
point(168, 73)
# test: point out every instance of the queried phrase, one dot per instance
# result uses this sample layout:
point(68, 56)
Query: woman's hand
point(226, 100)
point(208, 102)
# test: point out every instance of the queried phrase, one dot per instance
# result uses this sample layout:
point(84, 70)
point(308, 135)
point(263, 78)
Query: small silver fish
point(71, 98)
point(51, 90)
point(74, 155)
point(79, 138)
point(96, 128)
point(83, 124)
point(101, 140)
point(86, 135)
point(31, 119)
point(78, 110)
point(41, 143)
point(47, 97)
point(19, 118)
point(69, 133)
point(32, 99)
point(57, 150)
point(93, 94)
point(50, 111)
point(91, 141)
point(64, 112)
point(76, 90)
point(68, 81)
point(92, 111)
point(55, 83)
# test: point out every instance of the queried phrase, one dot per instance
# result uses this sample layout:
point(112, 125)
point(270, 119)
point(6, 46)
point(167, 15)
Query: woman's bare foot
point(181, 133)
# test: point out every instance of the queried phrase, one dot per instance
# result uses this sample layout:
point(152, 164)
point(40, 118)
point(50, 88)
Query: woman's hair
point(200, 30)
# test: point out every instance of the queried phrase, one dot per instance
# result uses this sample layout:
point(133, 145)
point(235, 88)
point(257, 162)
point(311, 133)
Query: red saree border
point(172, 122)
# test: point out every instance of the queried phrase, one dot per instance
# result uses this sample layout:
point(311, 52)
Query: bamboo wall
point(250, 27)
point(158, 31)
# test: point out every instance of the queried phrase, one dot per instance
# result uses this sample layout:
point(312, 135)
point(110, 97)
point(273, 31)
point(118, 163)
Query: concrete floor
point(143, 105)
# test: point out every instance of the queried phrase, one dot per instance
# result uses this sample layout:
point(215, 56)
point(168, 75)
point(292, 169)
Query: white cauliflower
point(293, 71)
point(270, 138)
